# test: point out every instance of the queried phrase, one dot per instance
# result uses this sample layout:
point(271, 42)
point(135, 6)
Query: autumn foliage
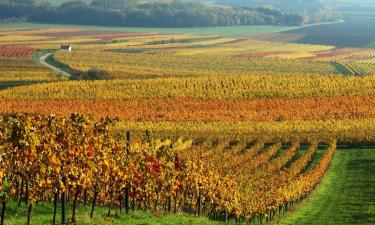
point(45, 157)
point(210, 110)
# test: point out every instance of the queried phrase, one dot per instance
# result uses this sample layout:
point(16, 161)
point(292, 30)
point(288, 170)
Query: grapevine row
point(75, 160)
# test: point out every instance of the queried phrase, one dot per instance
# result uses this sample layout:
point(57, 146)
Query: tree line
point(149, 14)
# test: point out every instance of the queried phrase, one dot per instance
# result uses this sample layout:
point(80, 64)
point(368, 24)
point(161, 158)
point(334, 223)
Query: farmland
point(357, 31)
point(182, 183)
point(175, 125)
point(19, 68)
point(222, 31)
point(342, 162)
point(208, 110)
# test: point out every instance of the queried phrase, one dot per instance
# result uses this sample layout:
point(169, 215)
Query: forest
point(154, 14)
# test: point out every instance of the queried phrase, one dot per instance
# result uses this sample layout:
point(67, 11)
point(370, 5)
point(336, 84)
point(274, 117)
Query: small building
point(66, 48)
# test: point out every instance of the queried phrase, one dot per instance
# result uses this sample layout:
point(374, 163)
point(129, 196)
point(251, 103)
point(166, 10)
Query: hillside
point(287, 5)
point(144, 14)
point(158, 13)
point(174, 112)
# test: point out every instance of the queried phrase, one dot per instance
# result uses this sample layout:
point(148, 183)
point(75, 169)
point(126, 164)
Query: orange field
point(211, 110)
point(11, 51)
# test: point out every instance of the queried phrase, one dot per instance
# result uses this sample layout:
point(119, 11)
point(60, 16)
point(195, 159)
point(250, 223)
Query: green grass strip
point(345, 196)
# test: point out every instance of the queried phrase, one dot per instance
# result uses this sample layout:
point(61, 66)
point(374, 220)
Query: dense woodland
point(287, 5)
point(315, 11)
point(153, 14)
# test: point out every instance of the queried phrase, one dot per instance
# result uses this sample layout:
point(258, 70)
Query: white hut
point(66, 48)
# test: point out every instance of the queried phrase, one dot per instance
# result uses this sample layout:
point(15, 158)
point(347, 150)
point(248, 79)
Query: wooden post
point(29, 213)
point(134, 196)
point(21, 193)
point(85, 197)
point(199, 202)
point(145, 202)
point(27, 192)
point(63, 203)
point(93, 203)
point(109, 210)
point(127, 188)
point(63, 208)
point(17, 190)
point(120, 204)
point(3, 213)
point(75, 205)
point(128, 142)
point(127, 198)
point(175, 204)
point(169, 204)
point(55, 207)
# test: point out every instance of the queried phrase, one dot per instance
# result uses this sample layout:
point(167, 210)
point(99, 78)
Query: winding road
point(42, 60)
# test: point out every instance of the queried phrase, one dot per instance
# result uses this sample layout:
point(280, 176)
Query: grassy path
point(45, 60)
point(346, 195)
point(43, 213)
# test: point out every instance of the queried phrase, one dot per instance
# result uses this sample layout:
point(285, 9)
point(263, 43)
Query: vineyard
point(205, 129)
point(196, 57)
point(17, 65)
point(207, 87)
point(81, 160)
point(205, 110)
point(16, 52)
